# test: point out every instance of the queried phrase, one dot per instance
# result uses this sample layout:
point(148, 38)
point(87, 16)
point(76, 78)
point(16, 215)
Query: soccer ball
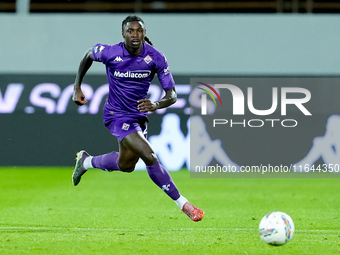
point(276, 228)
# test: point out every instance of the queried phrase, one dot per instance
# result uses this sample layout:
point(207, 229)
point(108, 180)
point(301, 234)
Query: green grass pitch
point(41, 212)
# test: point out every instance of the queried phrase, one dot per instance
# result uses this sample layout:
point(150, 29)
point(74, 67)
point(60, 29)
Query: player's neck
point(132, 51)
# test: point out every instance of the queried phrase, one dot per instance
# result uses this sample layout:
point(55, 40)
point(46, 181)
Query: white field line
point(120, 229)
point(153, 230)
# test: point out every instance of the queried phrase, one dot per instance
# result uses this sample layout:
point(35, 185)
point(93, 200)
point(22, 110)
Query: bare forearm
point(166, 101)
point(78, 95)
point(145, 105)
point(84, 66)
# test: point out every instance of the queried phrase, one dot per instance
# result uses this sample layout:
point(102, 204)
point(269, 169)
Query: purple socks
point(107, 162)
point(160, 176)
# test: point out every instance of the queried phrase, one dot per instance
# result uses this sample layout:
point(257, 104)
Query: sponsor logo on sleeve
point(101, 48)
point(166, 70)
point(98, 49)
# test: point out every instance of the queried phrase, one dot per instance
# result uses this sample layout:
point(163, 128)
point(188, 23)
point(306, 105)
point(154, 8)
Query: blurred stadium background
point(241, 6)
point(253, 43)
point(42, 43)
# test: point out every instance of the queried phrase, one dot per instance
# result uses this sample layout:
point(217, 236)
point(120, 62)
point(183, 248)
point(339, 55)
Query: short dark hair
point(131, 18)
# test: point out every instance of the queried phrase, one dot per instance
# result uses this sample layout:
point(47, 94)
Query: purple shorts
point(121, 126)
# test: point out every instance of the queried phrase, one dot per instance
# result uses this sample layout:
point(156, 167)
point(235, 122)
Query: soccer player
point(130, 67)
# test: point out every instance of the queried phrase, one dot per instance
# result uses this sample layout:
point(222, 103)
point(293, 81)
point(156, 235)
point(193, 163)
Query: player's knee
point(127, 167)
point(128, 170)
point(150, 159)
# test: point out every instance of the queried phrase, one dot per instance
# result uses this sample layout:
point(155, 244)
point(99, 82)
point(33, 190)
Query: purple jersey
point(130, 76)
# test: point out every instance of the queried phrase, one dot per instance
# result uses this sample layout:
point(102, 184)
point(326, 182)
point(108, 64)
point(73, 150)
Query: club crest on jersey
point(126, 126)
point(118, 59)
point(147, 59)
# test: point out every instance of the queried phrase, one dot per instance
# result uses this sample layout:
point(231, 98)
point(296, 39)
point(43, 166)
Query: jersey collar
point(127, 54)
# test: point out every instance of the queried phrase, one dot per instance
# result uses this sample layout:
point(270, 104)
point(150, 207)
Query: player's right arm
point(78, 95)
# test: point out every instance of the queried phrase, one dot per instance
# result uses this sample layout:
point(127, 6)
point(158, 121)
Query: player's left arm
point(146, 105)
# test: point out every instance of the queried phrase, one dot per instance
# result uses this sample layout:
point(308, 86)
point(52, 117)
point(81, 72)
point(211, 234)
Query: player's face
point(133, 35)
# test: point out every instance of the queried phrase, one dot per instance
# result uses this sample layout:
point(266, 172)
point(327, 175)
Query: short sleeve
point(164, 74)
point(100, 52)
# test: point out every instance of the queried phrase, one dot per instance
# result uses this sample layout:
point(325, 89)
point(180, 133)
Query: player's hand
point(79, 97)
point(145, 105)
